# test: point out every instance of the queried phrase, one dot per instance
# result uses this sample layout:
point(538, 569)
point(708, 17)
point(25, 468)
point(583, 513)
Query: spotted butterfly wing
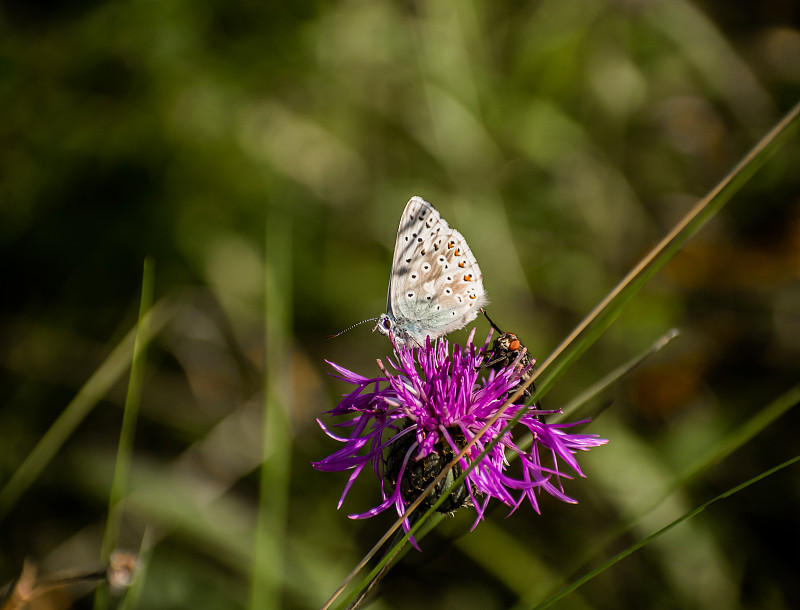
point(436, 285)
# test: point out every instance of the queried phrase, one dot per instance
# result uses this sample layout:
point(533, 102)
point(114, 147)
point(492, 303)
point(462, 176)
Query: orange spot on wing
point(462, 264)
point(468, 278)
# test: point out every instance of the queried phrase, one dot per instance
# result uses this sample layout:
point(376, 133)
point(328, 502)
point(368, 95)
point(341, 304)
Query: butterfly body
point(436, 285)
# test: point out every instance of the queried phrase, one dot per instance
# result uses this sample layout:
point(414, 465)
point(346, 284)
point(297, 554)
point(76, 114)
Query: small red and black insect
point(504, 352)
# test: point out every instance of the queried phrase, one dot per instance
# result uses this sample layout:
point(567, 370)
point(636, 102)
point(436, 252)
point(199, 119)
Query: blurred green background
point(563, 138)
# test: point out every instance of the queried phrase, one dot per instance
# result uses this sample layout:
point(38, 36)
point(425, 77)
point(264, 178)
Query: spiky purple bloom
point(443, 405)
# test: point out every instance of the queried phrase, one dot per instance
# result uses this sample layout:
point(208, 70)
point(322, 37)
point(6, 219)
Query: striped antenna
point(341, 332)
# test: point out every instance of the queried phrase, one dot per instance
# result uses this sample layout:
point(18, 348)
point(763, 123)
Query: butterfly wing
point(436, 285)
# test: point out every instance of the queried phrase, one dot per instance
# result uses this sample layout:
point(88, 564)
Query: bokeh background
point(563, 138)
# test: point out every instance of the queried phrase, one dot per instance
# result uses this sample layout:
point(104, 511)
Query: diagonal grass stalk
point(575, 406)
point(601, 317)
point(724, 447)
point(119, 485)
point(79, 407)
point(647, 540)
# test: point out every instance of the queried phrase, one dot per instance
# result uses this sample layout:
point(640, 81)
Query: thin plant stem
point(273, 505)
point(119, 484)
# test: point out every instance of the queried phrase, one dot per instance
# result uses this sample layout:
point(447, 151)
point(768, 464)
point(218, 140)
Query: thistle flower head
point(412, 420)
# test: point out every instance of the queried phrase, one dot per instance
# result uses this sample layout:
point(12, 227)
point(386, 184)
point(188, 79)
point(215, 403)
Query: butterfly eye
point(386, 323)
point(514, 345)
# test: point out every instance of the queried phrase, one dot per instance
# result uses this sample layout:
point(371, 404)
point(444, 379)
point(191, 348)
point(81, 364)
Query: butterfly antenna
point(341, 332)
point(494, 326)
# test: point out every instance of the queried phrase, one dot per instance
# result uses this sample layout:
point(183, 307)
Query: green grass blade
point(119, 485)
point(396, 550)
point(738, 437)
point(270, 543)
point(573, 408)
point(645, 541)
point(611, 306)
point(79, 407)
point(722, 449)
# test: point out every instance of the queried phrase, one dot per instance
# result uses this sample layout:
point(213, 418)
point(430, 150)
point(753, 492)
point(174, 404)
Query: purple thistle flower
point(409, 424)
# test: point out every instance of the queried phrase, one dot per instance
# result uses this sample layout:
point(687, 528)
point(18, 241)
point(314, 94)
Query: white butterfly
point(435, 286)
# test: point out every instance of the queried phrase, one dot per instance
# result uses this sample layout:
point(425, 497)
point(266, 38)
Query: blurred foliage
point(562, 137)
